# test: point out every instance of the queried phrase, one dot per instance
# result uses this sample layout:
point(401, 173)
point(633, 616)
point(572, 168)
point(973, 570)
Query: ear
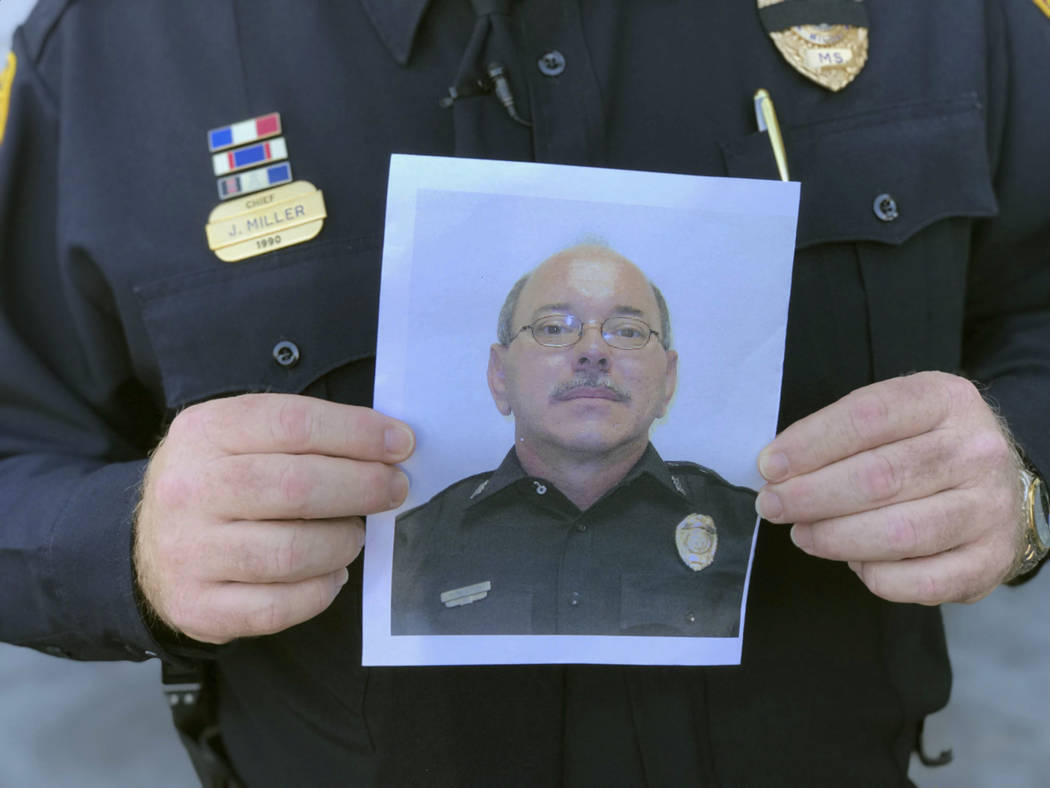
point(670, 380)
point(498, 378)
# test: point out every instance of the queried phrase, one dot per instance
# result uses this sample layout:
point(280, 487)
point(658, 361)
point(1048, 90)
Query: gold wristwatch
point(1037, 530)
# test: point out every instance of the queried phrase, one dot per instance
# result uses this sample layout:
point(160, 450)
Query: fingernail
point(768, 505)
point(802, 538)
point(398, 488)
point(773, 465)
point(399, 440)
point(340, 581)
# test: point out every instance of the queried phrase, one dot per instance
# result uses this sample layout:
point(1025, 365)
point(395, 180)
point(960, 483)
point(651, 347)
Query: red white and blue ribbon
point(254, 180)
point(249, 156)
point(245, 132)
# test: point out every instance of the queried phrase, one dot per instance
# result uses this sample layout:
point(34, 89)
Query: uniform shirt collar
point(651, 464)
point(510, 472)
point(396, 22)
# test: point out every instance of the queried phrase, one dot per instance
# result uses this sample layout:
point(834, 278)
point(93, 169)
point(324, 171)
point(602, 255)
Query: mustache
point(590, 381)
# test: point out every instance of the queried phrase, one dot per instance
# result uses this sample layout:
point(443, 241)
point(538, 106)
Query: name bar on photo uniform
point(245, 132)
point(254, 180)
point(457, 597)
point(250, 156)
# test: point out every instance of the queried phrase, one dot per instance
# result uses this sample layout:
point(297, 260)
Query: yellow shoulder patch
point(7, 76)
point(1043, 5)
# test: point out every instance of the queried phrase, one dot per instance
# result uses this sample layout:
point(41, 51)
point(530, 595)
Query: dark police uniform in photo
point(922, 243)
point(503, 553)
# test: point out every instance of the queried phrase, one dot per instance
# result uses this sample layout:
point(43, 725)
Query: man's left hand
point(912, 481)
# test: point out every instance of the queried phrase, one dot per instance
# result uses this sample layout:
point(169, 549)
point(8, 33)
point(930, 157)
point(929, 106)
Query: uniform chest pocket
point(263, 324)
point(504, 611)
point(888, 201)
point(701, 604)
point(880, 175)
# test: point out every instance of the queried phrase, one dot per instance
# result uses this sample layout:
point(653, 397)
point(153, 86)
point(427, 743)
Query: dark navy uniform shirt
point(614, 568)
point(114, 314)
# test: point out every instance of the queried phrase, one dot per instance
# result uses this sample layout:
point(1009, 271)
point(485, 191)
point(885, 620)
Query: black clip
point(500, 83)
point(463, 91)
point(497, 83)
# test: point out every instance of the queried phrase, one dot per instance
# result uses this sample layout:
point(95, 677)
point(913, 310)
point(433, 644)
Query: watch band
point(1035, 548)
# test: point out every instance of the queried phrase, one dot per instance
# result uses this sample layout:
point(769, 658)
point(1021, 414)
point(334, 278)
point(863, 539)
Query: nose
point(592, 351)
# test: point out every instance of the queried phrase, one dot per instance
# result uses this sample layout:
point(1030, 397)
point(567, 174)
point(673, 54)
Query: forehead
point(588, 277)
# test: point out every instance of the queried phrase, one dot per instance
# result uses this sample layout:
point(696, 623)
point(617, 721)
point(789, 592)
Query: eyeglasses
point(626, 333)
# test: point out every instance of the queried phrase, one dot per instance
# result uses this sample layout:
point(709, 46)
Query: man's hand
point(912, 481)
point(251, 510)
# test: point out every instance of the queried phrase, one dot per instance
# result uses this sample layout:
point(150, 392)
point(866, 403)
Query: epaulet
point(465, 488)
point(1044, 6)
point(680, 468)
point(41, 21)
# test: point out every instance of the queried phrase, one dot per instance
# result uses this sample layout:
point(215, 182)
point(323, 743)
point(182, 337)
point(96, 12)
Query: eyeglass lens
point(627, 333)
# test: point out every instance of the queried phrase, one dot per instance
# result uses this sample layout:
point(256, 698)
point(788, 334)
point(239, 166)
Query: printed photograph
point(591, 360)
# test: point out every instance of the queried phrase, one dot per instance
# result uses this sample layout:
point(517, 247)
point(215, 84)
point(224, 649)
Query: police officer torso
point(506, 553)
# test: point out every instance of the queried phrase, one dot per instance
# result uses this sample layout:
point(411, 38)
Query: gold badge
point(831, 50)
point(7, 76)
point(697, 541)
point(266, 221)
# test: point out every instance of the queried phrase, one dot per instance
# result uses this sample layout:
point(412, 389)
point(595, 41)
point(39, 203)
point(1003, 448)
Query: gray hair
point(505, 331)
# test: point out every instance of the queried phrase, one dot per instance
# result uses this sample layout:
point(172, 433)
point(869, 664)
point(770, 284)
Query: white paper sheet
point(459, 234)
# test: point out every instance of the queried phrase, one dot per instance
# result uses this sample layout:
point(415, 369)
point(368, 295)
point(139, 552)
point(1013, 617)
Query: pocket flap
point(217, 332)
point(700, 604)
point(881, 175)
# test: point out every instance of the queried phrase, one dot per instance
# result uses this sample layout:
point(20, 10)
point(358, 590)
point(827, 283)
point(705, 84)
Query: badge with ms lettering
point(697, 540)
point(266, 221)
point(824, 40)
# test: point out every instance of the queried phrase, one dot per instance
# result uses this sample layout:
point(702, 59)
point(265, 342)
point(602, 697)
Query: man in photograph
point(583, 529)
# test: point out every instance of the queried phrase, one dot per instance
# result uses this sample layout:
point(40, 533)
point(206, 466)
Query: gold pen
point(766, 117)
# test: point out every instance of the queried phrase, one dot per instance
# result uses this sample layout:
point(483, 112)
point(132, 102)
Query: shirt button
point(690, 617)
point(885, 207)
point(286, 353)
point(552, 63)
point(581, 527)
point(574, 599)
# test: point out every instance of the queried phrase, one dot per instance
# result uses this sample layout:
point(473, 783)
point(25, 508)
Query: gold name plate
point(266, 221)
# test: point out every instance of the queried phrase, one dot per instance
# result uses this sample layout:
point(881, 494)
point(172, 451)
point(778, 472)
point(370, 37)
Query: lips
point(589, 388)
point(589, 392)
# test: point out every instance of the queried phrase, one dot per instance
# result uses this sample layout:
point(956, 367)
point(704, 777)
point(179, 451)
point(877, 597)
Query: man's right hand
point(252, 509)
